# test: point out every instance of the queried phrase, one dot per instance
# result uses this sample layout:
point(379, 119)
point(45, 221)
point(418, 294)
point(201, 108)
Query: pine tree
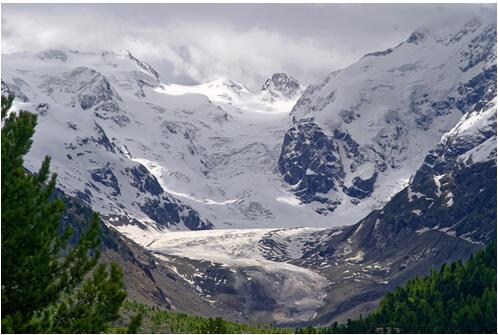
point(135, 323)
point(459, 298)
point(46, 283)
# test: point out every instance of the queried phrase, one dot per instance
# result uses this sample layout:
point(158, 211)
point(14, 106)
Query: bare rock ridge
point(282, 84)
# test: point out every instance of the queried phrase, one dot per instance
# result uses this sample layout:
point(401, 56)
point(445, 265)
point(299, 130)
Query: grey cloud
point(246, 42)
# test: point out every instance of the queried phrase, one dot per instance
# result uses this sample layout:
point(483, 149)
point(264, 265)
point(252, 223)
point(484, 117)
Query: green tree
point(135, 323)
point(213, 326)
point(459, 298)
point(47, 284)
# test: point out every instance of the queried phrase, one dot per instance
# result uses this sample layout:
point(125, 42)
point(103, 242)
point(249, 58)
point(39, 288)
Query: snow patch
point(290, 200)
point(357, 258)
point(449, 196)
point(417, 212)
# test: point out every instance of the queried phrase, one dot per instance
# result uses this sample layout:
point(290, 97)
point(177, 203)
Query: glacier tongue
point(260, 257)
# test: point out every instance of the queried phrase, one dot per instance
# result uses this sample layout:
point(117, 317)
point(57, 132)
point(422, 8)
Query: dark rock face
point(192, 220)
point(106, 177)
point(439, 160)
point(463, 205)
point(143, 180)
point(42, 108)
point(418, 229)
point(416, 37)
point(309, 161)
point(444, 156)
point(144, 66)
point(361, 188)
point(85, 197)
point(479, 49)
point(478, 91)
point(103, 140)
point(166, 213)
point(352, 149)
point(89, 90)
point(282, 84)
point(380, 53)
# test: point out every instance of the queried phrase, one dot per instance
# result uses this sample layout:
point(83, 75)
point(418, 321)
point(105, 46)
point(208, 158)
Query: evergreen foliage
point(135, 324)
point(46, 283)
point(459, 298)
point(155, 320)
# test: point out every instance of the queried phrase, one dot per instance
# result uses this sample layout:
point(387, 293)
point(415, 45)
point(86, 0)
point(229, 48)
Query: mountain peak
point(282, 84)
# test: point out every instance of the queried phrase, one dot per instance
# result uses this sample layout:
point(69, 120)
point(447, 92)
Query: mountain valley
point(287, 205)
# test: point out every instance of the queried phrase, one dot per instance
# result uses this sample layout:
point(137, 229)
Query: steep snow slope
point(360, 134)
point(110, 124)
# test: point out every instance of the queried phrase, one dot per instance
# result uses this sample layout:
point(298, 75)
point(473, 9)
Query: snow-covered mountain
point(110, 124)
point(360, 134)
point(356, 139)
point(278, 94)
point(90, 108)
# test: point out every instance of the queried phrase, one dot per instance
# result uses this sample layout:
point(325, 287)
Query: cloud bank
point(247, 43)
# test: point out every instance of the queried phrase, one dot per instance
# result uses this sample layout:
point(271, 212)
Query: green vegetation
point(459, 298)
point(48, 285)
point(155, 320)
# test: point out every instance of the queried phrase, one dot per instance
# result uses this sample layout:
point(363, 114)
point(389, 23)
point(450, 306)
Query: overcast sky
point(247, 43)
